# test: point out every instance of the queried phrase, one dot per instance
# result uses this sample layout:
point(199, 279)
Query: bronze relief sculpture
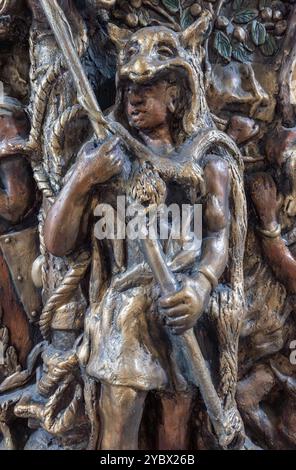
point(173, 342)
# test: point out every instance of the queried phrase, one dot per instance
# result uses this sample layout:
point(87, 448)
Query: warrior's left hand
point(182, 309)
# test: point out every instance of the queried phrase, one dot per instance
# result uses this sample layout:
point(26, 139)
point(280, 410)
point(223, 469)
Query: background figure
point(18, 228)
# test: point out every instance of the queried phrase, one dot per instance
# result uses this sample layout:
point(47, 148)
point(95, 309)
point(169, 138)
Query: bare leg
point(173, 431)
point(251, 391)
point(121, 410)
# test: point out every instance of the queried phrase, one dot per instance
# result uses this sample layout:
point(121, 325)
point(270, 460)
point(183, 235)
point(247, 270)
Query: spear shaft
point(64, 37)
point(86, 96)
point(165, 278)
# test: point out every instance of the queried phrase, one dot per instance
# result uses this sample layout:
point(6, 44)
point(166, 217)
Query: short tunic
point(129, 344)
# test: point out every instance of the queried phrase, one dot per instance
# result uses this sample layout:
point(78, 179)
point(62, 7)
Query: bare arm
point(17, 191)
point(63, 225)
point(266, 201)
point(63, 222)
point(184, 308)
point(216, 217)
point(281, 261)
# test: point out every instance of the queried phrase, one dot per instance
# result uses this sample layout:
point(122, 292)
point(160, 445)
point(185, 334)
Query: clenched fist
point(102, 164)
point(182, 309)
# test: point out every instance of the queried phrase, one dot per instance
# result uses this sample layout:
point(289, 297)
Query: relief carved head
point(168, 62)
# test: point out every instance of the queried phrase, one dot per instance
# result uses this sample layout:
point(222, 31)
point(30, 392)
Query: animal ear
point(193, 37)
point(119, 36)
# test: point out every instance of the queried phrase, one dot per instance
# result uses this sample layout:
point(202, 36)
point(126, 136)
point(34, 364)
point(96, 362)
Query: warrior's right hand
point(101, 164)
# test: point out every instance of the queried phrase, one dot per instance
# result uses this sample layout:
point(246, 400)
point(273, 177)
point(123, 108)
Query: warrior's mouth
point(137, 112)
point(138, 119)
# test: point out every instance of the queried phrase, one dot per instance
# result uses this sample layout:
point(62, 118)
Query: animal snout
point(140, 68)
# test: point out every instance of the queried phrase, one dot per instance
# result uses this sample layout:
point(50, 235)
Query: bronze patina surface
point(163, 344)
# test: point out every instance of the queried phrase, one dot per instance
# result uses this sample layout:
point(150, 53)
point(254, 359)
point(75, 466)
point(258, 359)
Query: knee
point(252, 389)
point(120, 402)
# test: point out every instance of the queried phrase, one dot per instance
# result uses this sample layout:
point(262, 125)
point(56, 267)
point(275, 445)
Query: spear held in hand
point(86, 96)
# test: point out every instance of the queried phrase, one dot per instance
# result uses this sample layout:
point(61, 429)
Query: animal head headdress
point(158, 52)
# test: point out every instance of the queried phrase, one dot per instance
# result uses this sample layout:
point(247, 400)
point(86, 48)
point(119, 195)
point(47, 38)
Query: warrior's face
point(148, 106)
point(159, 73)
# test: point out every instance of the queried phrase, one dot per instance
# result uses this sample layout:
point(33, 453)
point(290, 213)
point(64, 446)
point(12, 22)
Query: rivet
point(20, 278)
point(7, 240)
point(34, 314)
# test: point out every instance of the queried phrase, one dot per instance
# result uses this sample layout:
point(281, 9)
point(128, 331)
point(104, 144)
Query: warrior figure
point(133, 340)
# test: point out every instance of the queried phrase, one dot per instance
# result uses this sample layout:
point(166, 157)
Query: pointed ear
point(119, 36)
point(194, 36)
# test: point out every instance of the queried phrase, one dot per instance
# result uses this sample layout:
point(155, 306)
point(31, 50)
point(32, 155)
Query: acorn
point(266, 14)
point(136, 3)
point(195, 9)
point(222, 22)
point(240, 34)
point(280, 27)
point(132, 20)
point(277, 15)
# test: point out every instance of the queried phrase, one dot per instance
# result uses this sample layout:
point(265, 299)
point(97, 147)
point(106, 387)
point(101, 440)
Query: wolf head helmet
point(154, 53)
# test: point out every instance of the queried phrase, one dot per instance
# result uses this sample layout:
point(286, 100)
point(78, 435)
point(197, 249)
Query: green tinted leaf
point(240, 54)
point(172, 5)
point(186, 19)
point(245, 16)
point(222, 45)
point(270, 46)
point(258, 33)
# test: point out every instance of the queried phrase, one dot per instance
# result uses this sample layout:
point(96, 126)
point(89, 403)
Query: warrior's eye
point(165, 51)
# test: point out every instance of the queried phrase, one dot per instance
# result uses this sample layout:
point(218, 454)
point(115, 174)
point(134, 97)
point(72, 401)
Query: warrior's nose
point(135, 99)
